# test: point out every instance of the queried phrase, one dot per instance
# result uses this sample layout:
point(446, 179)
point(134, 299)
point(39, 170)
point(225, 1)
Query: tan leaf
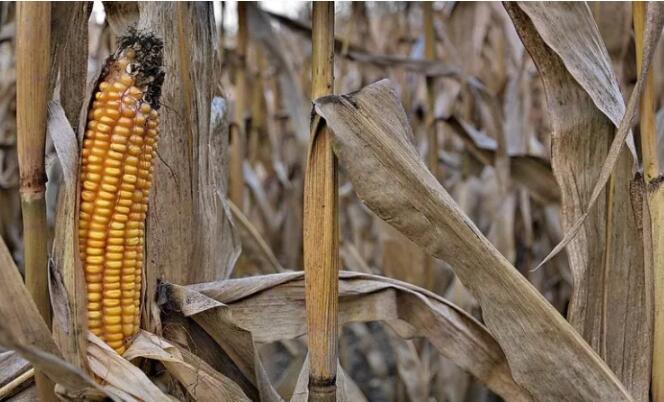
point(201, 381)
point(23, 330)
point(546, 356)
point(121, 376)
point(271, 308)
point(610, 304)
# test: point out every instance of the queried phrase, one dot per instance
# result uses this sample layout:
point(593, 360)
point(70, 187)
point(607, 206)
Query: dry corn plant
point(352, 202)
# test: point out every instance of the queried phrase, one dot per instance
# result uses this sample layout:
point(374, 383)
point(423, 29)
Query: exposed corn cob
point(119, 148)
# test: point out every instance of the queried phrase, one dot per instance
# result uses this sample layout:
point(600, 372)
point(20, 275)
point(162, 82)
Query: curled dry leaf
point(122, 376)
point(611, 303)
point(372, 141)
point(67, 282)
point(654, 24)
point(23, 330)
point(129, 383)
point(237, 344)
point(271, 308)
point(569, 29)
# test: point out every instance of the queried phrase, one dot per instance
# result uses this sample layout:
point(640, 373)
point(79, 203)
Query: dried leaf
point(425, 67)
point(23, 330)
point(610, 304)
point(409, 366)
point(121, 376)
point(70, 54)
point(239, 346)
point(67, 283)
point(201, 381)
point(372, 141)
point(654, 24)
point(271, 308)
point(569, 29)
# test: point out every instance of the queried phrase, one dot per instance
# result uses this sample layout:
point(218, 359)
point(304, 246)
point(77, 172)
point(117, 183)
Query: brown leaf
point(569, 29)
point(610, 304)
point(546, 356)
point(67, 282)
point(122, 377)
point(271, 308)
point(23, 330)
point(653, 30)
point(201, 381)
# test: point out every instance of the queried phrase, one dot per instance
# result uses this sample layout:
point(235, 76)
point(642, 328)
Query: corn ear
point(117, 163)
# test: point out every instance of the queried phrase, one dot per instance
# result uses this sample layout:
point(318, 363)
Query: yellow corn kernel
point(113, 329)
point(117, 158)
point(111, 319)
point(92, 278)
point(113, 310)
point(110, 302)
point(128, 329)
point(114, 337)
point(117, 345)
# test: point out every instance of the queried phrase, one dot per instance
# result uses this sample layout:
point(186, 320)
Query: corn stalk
point(321, 231)
point(428, 281)
point(430, 54)
point(257, 130)
point(32, 68)
point(655, 197)
point(238, 128)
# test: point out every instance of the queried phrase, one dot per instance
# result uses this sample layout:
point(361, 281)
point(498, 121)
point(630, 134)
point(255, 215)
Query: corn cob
point(119, 148)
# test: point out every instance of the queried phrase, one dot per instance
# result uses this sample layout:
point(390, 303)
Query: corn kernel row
point(119, 148)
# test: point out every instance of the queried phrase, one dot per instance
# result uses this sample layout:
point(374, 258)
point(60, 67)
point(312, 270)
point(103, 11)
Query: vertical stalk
point(432, 135)
point(33, 35)
point(238, 129)
point(647, 107)
point(430, 54)
point(258, 124)
point(321, 228)
point(655, 199)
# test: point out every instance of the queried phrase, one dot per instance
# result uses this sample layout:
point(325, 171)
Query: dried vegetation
point(486, 178)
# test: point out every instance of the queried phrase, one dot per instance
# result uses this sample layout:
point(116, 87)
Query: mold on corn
point(117, 163)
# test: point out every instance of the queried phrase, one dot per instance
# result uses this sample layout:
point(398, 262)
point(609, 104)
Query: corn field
point(331, 201)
